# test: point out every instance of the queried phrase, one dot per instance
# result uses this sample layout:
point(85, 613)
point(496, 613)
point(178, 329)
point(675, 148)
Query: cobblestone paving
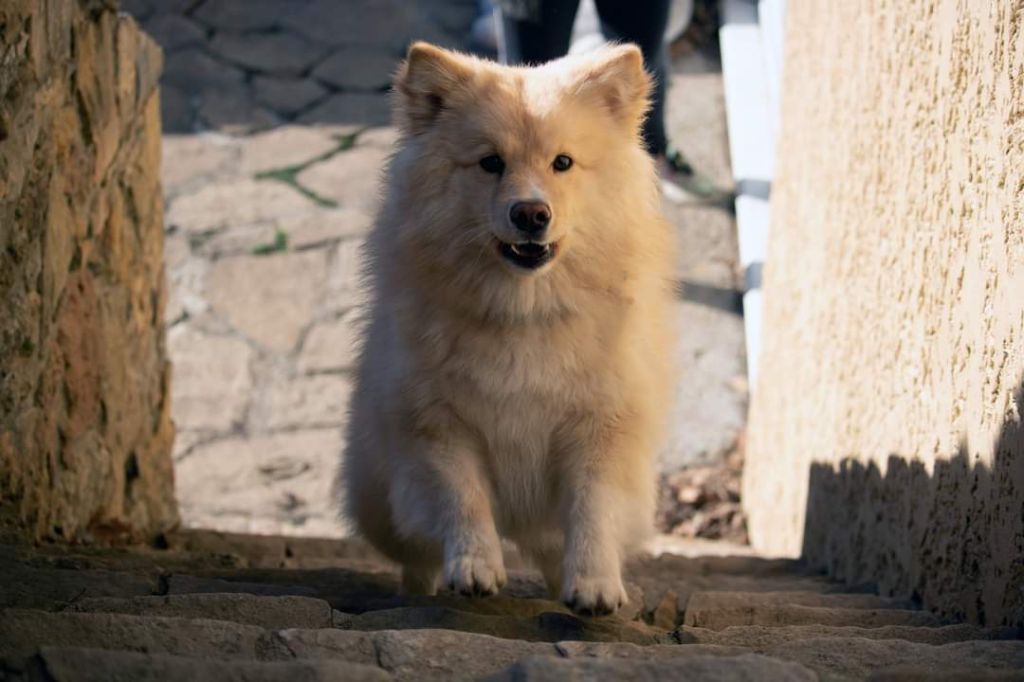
point(216, 607)
point(275, 128)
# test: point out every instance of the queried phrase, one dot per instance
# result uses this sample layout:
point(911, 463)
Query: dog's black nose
point(532, 217)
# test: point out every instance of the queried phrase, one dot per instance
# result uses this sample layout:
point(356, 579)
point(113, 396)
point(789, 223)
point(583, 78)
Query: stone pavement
point(275, 129)
point(227, 608)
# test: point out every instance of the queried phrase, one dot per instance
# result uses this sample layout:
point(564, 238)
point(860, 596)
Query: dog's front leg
point(605, 502)
point(443, 498)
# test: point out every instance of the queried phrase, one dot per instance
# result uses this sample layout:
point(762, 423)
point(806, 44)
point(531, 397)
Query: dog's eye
point(562, 163)
point(492, 164)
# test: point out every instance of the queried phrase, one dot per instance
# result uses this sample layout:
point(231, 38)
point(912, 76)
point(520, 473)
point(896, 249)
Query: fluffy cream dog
point(514, 373)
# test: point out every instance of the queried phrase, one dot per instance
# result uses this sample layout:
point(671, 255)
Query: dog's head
point(507, 176)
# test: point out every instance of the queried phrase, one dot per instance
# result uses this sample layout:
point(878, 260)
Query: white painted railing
point(751, 39)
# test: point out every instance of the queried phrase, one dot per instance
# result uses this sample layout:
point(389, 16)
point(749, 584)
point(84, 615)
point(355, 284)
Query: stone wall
point(85, 430)
point(886, 442)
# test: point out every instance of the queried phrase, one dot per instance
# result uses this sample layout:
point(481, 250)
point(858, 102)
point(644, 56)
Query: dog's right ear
point(426, 83)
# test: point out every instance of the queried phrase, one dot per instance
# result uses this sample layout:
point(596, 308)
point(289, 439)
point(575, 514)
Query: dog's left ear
point(427, 82)
point(617, 81)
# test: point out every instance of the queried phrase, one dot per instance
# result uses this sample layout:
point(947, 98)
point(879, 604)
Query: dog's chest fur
point(516, 387)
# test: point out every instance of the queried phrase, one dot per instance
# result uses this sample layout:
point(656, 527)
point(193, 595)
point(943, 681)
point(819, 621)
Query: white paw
point(479, 573)
point(594, 595)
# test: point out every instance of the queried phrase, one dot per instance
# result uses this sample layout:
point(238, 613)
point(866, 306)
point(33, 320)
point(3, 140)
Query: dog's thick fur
point(494, 401)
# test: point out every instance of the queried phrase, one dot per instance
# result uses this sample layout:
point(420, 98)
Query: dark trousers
point(544, 34)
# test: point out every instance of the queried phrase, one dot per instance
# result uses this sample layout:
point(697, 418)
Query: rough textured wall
point(85, 430)
point(886, 440)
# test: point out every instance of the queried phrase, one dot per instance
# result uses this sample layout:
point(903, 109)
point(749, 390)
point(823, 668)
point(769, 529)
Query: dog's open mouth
point(529, 255)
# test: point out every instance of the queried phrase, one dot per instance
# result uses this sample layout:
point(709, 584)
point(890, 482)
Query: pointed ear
point(616, 80)
point(426, 83)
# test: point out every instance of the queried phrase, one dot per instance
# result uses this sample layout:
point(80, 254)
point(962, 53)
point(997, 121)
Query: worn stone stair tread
point(275, 551)
point(415, 654)
point(52, 588)
point(22, 631)
point(912, 673)
point(855, 658)
point(250, 606)
point(704, 611)
point(577, 649)
point(546, 626)
point(761, 637)
point(357, 592)
point(728, 599)
point(100, 665)
point(707, 668)
point(271, 612)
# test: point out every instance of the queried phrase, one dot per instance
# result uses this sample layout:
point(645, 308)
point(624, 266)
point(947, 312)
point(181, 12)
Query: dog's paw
point(479, 573)
point(597, 595)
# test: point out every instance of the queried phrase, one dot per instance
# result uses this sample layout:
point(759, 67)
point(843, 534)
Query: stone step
point(415, 654)
point(356, 592)
point(732, 599)
point(47, 588)
point(857, 658)
point(56, 664)
point(23, 631)
point(739, 668)
point(718, 610)
point(446, 654)
point(761, 638)
point(546, 626)
point(271, 612)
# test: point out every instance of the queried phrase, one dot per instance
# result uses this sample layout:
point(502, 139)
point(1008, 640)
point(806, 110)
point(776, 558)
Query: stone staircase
point(213, 606)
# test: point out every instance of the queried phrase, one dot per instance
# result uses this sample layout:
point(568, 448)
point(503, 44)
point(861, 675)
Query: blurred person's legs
point(536, 31)
point(539, 31)
point(644, 23)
